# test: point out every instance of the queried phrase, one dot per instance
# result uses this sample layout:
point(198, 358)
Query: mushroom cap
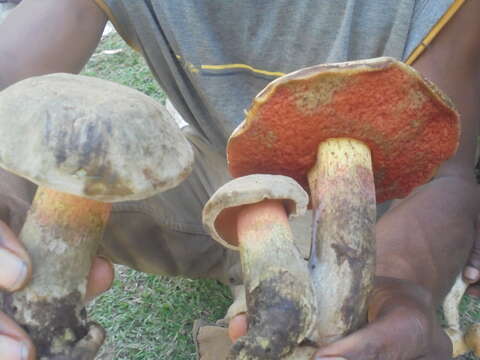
point(90, 137)
point(227, 200)
point(409, 126)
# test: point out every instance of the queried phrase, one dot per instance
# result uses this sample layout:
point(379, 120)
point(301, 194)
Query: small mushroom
point(338, 129)
point(462, 343)
point(250, 214)
point(86, 142)
point(452, 317)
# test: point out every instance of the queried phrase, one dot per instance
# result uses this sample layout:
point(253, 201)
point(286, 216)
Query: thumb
point(471, 272)
point(100, 278)
point(400, 335)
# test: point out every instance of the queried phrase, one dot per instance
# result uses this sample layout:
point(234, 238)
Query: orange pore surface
point(408, 127)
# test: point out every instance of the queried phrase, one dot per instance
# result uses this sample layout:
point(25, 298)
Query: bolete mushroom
point(461, 343)
point(86, 142)
point(250, 214)
point(338, 129)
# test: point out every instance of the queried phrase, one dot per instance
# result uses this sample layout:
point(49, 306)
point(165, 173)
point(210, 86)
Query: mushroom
point(452, 317)
point(472, 339)
point(337, 129)
point(87, 143)
point(250, 214)
point(462, 343)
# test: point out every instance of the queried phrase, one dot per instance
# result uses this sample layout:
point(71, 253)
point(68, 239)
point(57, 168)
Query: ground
point(149, 317)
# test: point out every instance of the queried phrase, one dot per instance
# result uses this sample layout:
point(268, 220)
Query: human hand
point(15, 272)
point(471, 273)
point(402, 326)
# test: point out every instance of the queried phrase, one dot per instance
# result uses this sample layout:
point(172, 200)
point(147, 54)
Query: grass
point(149, 317)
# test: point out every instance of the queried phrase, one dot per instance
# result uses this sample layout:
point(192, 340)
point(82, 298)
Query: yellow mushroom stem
point(61, 233)
point(278, 290)
point(342, 259)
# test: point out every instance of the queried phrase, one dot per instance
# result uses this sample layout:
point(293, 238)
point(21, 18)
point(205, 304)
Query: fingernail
point(15, 270)
point(471, 273)
point(12, 349)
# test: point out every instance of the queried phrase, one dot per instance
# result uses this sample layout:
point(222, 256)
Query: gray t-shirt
point(213, 56)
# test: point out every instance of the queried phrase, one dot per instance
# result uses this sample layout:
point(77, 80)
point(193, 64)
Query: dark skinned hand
point(471, 272)
point(402, 326)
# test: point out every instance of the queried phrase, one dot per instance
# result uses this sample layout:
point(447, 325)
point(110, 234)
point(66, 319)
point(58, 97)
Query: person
point(211, 57)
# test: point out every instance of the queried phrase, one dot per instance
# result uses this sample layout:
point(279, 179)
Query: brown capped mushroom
point(250, 214)
point(86, 142)
point(338, 129)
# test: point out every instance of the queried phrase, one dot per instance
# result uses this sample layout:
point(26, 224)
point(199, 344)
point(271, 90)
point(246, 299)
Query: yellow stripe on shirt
point(427, 40)
point(241, 67)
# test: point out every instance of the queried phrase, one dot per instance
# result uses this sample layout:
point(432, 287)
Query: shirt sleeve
point(120, 18)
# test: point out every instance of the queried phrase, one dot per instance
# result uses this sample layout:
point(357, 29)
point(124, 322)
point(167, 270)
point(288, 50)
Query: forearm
point(427, 237)
point(41, 37)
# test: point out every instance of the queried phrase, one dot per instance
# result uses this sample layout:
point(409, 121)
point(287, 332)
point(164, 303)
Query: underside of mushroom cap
point(227, 200)
point(91, 137)
point(409, 126)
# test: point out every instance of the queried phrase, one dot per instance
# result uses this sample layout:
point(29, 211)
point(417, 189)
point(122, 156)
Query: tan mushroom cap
point(227, 200)
point(408, 125)
point(90, 137)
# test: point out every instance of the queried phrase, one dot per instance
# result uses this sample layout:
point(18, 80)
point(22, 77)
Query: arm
point(427, 237)
point(48, 36)
point(424, 240)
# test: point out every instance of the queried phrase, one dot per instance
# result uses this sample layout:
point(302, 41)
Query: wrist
point(427, 237)
point(390, 291)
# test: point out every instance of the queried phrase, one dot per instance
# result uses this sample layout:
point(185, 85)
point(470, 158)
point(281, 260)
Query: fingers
point(402, 335)
point(100, 279)
point(14, 261)
point(474, 290)
point(237, 327)
point(377, 341)
point(471, 272)
point(14, 342)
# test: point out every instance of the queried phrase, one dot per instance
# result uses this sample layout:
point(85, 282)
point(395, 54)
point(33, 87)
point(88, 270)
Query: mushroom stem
point(451, 312)
point(279, 295)
point(61, 234)
point(342, 260)
point(461, 343)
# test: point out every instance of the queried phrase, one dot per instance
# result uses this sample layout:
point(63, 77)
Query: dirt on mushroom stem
point(279, 297)
point(342, 260)
point(51, 308)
